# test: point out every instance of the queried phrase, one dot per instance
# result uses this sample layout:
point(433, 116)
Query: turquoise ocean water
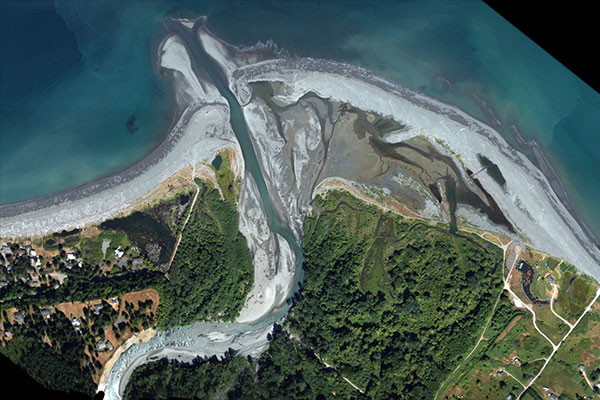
point(73, 72)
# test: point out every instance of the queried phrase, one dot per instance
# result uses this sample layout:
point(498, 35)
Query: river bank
point(527, 198)
point(276, 192)
point(199, 131)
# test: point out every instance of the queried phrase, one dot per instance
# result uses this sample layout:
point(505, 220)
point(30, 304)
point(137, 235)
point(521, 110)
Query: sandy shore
point(201, 130)
point(527, 198)
point(141, 337)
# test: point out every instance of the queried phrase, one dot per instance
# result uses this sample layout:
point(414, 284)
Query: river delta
point(302, 127)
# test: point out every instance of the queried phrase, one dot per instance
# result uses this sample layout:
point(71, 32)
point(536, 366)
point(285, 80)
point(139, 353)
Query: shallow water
point(66, 96)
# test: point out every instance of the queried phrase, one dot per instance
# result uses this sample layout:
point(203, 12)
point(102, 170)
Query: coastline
point(201, 118)
point(202, 128)
point(538, 211)
point(21, 218)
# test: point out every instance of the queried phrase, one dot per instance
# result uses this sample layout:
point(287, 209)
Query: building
point(137, 263)
point(104, 345)
point(119, 253)
point(71, 257)
point(20, 318)
point(46, 313)
point(97, 308)
point(5, 250)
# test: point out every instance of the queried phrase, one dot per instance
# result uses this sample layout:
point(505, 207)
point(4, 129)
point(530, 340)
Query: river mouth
point(356, 148)
point(354, 145)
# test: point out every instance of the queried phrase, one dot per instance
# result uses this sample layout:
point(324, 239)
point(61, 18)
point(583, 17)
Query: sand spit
point(527, 198)
point(201, 131)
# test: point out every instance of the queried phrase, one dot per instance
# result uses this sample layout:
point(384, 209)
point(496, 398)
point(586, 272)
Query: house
point(553, 396)
point(46, 313)
point(32, 253)
point(38, 262)
point(137, 263)
point(119, 253)
point(500, 372)
point(76, 323)
point(582, 368)
point(122, 263)
point(5, 250)
point(517, 362)
point(97, 308)
point(71, 257)
point(20, 318)
point(114, 301)
point(549, 278)
point(104, 345)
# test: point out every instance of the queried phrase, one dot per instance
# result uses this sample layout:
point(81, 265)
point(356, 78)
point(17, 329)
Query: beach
point(527, 199)
point(291, 168)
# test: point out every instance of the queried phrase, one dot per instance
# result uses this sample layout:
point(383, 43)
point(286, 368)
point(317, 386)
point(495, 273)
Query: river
point(202, 338)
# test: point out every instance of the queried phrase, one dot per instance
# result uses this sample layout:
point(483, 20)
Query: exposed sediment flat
point(527, 198)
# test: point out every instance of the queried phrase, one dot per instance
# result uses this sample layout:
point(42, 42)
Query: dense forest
point(393, 305)
point(209, 278)
point(61, 366)
point(287, 370)
point(212, 271)
point(390, 305)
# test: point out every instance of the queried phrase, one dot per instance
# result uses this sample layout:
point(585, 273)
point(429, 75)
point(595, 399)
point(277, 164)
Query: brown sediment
point(141, 296)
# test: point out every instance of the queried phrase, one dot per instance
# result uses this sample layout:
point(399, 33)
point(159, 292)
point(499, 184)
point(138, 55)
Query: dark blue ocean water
point(74, 71)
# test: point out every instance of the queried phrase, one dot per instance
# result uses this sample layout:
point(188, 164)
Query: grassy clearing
point(575, 292)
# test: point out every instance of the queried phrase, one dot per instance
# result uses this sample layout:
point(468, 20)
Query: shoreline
point(111, 180)
point(198, 131)
point(173, 135)
point(538, 210)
